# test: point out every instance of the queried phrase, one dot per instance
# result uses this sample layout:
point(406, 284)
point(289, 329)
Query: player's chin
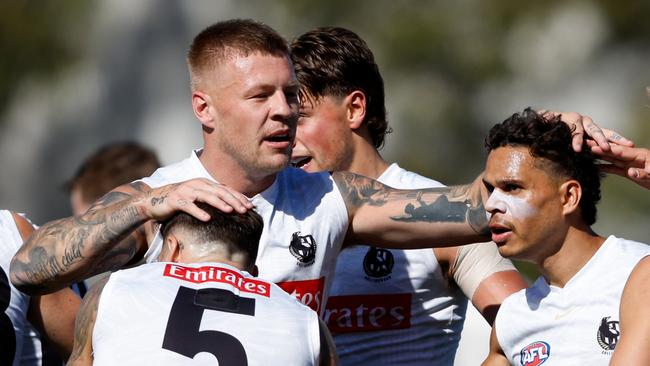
point(276, 162)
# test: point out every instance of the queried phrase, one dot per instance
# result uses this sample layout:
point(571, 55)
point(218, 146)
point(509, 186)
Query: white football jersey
point(13, 303)
point(574, 325)
point(305, 222)
point(195, 314)
point(394, 307)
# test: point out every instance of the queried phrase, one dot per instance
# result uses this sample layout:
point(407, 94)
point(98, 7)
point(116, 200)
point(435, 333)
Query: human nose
point(284, 109)
point(495, 202)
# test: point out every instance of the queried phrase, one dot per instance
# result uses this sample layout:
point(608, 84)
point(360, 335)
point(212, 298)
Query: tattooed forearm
point(75, 248)
point(358, 190)
point(40, 267)
point(440, 210)
point(457, 204)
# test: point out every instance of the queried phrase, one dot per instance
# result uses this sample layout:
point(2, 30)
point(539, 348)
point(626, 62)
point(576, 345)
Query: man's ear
point(571, 192)
point(202, 108)
point(356, 108)
point(171, 250)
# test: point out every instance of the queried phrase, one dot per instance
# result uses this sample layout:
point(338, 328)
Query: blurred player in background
point(110, 166)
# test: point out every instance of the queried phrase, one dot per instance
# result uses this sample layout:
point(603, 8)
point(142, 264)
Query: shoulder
point(295, 175)
point(185, 169)
point(303, 185)
point(625, 245)
point(525, 299)
point(398, 177)
point(25, 227)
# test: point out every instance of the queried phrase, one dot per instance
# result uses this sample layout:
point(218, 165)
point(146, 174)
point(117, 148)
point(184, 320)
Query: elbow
point(24, 279)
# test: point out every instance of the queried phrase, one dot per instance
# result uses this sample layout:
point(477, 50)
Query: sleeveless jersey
point(305, 222)
point(13, 303)
point(574, 325)
point(394, 307)
point(189, 314)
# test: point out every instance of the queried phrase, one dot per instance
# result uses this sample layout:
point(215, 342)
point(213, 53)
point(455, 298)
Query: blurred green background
point(77, 74)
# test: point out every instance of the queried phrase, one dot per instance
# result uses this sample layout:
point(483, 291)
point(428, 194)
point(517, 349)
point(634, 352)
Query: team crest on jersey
point(608, 333)
point(535, 354)
point(378, 264)
point(303, 248)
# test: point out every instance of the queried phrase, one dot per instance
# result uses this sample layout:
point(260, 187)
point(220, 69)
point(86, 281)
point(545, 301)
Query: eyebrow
point(505, 181)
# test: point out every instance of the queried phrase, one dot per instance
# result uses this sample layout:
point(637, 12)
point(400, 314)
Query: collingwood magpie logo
point(608, 333)
point(378, 263)
point(303, 248)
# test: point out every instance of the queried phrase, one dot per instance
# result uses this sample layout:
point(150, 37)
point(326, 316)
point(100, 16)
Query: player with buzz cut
point(590, 306)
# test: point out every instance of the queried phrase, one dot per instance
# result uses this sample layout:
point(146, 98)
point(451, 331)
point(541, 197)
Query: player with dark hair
point(419, 296)
point(590, 304)
point(199, 302)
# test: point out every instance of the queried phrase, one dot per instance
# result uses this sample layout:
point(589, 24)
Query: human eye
point(511, 187)
point(261, 95)
point(488, 187)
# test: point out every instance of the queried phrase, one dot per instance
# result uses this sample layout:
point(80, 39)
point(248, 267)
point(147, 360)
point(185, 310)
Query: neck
point(197, 255)
point(228, 172)
point(578, 247)
point(366, 159)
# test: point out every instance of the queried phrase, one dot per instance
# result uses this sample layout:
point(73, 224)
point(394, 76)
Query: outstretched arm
point(110, 233)
point(412, 218)
point(634, 342)
point(82, 352)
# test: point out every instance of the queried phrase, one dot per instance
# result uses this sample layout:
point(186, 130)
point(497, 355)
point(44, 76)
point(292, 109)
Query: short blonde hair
point(236, 37)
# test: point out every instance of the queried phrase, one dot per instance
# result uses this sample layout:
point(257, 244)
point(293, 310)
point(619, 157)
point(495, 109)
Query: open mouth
point(278, 138)
point(500, 233)
point(300, 162)
point(499, 230)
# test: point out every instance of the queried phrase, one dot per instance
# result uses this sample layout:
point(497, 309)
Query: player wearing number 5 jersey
point(198, 304)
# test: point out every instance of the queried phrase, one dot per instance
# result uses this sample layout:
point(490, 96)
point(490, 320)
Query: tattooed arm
point(82, 351)
point(412, 218)
point(111, 232)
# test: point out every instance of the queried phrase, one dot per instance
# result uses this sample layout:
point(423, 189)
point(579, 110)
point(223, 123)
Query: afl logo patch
point(303, 248)
point(608, 333)
point(378, 262)
point(535, 354)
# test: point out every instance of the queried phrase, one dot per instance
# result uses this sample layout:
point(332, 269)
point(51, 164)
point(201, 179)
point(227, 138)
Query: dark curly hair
point(549, 138)
point(334, 61)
